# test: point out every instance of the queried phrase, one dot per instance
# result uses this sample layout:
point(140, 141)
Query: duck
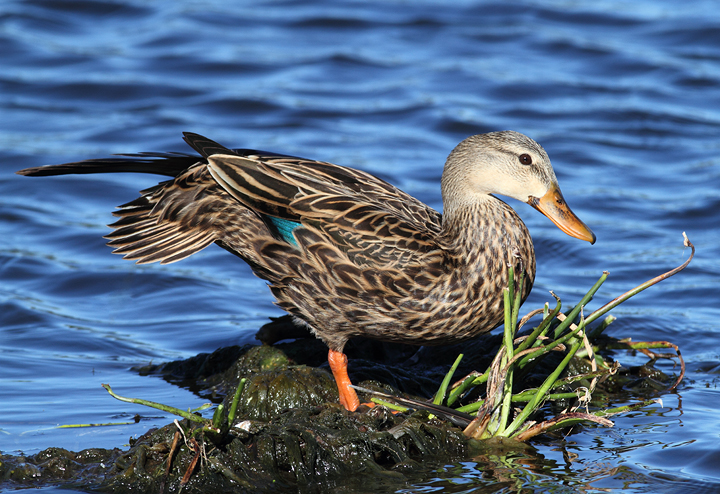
point(344, 252)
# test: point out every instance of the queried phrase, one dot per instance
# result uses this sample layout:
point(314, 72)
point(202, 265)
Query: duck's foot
point(338, 366)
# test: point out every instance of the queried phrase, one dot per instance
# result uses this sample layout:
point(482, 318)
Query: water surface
point(624, 96)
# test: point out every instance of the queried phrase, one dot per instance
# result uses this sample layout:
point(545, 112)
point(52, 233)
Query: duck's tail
point(168, 164)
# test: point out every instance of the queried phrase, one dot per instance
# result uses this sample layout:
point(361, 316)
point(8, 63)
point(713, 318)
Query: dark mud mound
point(289, 434)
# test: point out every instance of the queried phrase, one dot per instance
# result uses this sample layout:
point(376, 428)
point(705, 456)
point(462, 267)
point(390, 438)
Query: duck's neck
point(467, 224)
point(488, 229)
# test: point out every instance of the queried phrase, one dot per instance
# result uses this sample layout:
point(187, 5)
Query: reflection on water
point(623, 96)
point(525, 471)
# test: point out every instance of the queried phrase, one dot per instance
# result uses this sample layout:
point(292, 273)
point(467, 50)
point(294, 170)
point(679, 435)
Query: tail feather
point(168, 164)
point(206, 147)
point(180, 216)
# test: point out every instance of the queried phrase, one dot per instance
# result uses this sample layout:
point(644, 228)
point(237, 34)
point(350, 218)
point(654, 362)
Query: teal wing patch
point(283, 228)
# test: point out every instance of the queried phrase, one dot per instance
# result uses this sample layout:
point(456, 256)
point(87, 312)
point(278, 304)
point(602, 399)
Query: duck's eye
point(525, 159)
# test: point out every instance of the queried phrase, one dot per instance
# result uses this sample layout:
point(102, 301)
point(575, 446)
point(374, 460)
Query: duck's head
point(511, 164)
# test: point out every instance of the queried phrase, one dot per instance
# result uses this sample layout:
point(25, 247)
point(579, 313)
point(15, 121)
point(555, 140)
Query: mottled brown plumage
point(344, 252)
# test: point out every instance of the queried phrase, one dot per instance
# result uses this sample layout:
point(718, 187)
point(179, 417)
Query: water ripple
point(623, 96)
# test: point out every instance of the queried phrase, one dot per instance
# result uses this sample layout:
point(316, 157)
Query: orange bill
point(553, 205)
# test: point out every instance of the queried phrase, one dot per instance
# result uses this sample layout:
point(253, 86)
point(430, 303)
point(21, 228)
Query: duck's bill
point(553, 206)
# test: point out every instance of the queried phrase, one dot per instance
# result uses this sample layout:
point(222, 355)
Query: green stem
point(542, 350)
point(517, 300)
point(622, 409)
point(576, 310)
point(236, 400)
point(594, 333)
point(73, 426)
point(622, 298)
point(391, 406)
point(542, 391)
point(540, 329)
point(509, 331)
point(440, 395)
point(159, 406)
point(467, 384)
point(523, 397)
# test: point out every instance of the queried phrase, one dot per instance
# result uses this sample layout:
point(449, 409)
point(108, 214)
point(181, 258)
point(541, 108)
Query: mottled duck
point(344, 252)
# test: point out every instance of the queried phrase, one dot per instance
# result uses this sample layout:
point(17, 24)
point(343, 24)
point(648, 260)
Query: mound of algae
point(289, 434)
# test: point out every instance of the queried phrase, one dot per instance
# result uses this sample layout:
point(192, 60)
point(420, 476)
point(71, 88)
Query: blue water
point(624, 96)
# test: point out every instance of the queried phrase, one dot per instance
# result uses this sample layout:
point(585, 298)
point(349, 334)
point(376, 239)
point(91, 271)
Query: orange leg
point(338, 366)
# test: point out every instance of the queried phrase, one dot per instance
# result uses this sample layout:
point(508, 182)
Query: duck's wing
point(180, 217)
point(364, 216)
point(245, 199)
point(175, 218)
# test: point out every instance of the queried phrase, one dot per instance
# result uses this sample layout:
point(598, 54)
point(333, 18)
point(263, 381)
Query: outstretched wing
point(369, 219)
point(244, 199)
point(172, 220)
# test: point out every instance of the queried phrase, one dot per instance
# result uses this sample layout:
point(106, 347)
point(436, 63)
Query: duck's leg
point(338, 366)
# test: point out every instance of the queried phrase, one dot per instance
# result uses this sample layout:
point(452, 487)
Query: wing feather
point(371, 220)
